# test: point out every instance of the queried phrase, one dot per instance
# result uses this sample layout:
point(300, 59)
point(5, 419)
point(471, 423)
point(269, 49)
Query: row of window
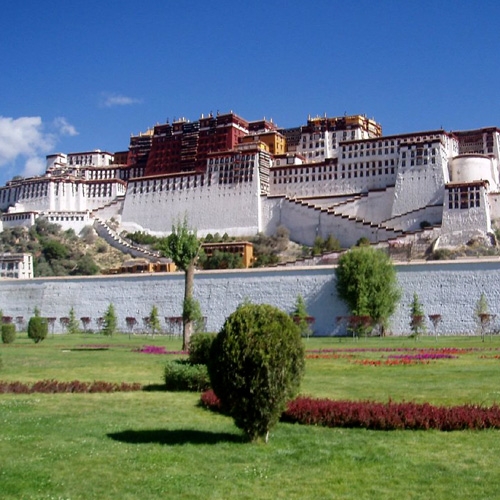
point(335, 176)
point(370, 145)
point(231, 178)
point(418, 162)
point(321, 135)
point(464, 197)
point(301, 179)
point(65, 218)
point(367, 153)
point(10, 265)
point(173, 184)
point(10, 274)
point(231, 159)
point(231, 166)
point(418, 152)
point(304, 170)
point(99, 190)
point(477, 150)
point(314, 145)
point(11, 217)
point(33, 190)
point(101, 174)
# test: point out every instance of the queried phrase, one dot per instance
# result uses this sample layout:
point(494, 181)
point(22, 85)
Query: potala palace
point(338, 176)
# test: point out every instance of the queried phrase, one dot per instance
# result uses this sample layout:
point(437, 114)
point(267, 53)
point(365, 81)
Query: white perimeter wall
point(449, 289)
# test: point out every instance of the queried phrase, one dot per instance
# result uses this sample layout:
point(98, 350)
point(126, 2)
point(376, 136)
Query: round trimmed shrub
point(8, 333)
point(38, 328)
point(199, 348)
point(255, 367)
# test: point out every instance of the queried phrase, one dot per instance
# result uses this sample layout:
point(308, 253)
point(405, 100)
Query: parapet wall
point(449, 289)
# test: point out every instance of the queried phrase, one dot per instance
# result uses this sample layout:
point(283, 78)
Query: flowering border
point(380, 416)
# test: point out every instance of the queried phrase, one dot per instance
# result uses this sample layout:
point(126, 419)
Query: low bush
point(381, 416)
point(199, 348)
point(8, 333)
point(181, 375)
point(38, 328)
point(442, 254)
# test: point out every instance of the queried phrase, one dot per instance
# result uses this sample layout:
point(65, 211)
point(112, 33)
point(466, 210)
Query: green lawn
point(163, 445)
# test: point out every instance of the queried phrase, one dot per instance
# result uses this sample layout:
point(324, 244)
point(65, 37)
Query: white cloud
point(25, 140)
point(64, 127)
point(111, 100)
point(34, 166)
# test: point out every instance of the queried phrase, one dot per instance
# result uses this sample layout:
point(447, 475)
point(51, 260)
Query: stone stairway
point(116, 241)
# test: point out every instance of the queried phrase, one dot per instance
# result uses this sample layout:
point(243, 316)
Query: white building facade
point(16, 266)
point(338, 176)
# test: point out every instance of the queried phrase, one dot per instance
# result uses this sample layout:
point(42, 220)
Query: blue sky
point(83, 75)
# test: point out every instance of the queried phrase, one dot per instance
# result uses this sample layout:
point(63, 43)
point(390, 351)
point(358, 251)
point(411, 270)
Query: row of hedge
point(55, 386)
point(191, 374)
point(37, 330)
point(381, 416)
point(182, 375)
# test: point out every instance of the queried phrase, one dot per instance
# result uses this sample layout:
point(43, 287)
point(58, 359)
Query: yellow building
point(274, 141)
point(242, 248)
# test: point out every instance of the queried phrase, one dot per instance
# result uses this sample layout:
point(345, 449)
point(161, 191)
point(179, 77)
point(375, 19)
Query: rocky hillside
point(61, 253)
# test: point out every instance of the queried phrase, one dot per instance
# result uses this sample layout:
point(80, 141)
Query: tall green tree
point(482, 314)
point(110, 321)
point(183, 247)
point(301, 317)
point(417, 317)
point(73, 325)
point(154, 321)
point(367, 283)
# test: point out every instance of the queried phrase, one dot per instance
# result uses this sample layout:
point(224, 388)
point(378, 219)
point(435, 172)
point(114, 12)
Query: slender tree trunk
point(188, 294)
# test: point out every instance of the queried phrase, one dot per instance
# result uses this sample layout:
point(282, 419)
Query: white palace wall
point(449, 289)
point(231, 208)
point(305, 223)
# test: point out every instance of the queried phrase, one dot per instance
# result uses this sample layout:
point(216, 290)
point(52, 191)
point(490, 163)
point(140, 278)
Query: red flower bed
point(209, 400)
point(410, 356)
point(390, 416)
point(54, 386)
point(381, 416)
point(153, 349)
point(392, 361)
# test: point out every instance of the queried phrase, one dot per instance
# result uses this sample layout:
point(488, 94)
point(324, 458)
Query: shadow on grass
point(154, 388)
point(96, 349)
point(175, 437)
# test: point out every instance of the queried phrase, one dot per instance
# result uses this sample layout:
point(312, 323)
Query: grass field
point(163, 445)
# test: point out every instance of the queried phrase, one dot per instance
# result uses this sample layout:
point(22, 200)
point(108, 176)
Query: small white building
point(16, 266)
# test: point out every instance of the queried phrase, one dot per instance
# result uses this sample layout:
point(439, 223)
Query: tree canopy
point(367, 283)
point(182, 245)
